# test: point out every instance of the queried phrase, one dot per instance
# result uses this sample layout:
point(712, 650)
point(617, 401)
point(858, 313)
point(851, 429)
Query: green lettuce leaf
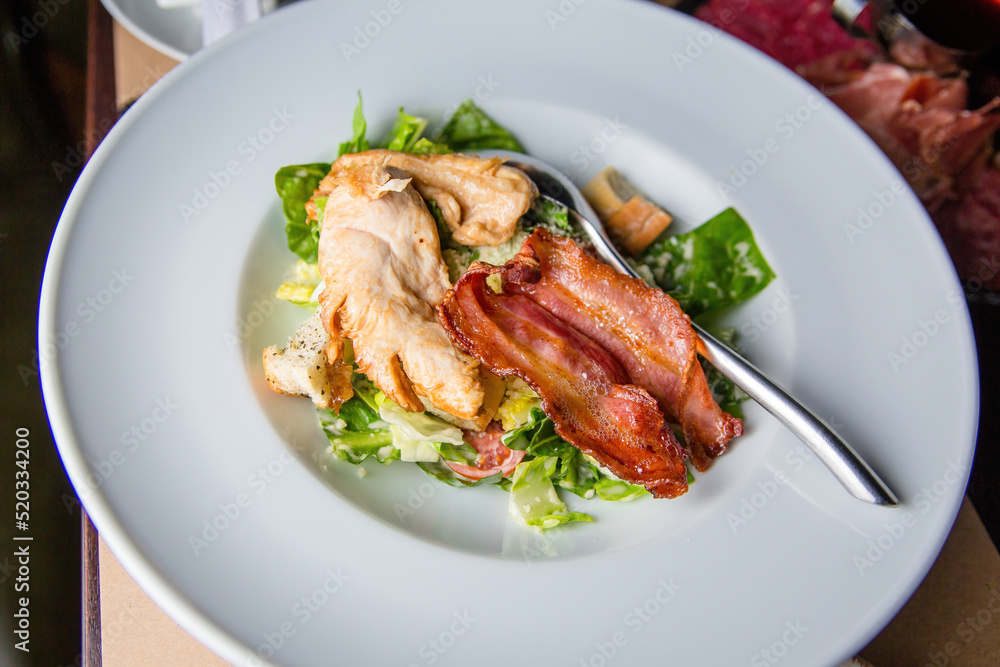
point(405, 132)
point(295, 185)
point(423, 437)
point(609, 488)
point(574, 470)
point(533, 499)
point(714, 266)
point(469, 129)
point(357, 142)
point(357, 433)
point(301, 286)
point(406, 136)
point(424, 146)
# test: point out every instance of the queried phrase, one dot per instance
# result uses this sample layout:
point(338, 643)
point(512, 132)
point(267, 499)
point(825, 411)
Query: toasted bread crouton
point(302, 369)
point(632, 221)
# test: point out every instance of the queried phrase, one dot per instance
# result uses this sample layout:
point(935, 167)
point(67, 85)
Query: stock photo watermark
point(247, 151)
point(88, 310)
point(758, 156)
point(415, 500)
point(31, 25)
point(562, 12)
point(588, 152)
point(968, 630)
point(894, 532)
point(230, 511)
point(634, 620)
point(769, 316)
point(485, 86)
point(696, 44)
point(76, 155)
point(435, 647)
point(753, 503)
point(300, 613)
point(132, 439)
point(924, 332)
point(260, 310)
point(364, 34)
point(792, 633)
point(880, 202)
point(21, 490)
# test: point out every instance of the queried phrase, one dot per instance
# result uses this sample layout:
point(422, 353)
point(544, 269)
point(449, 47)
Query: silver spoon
point(850, 469)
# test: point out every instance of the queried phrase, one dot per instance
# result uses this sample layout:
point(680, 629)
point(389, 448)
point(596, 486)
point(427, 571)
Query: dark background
point(42, 95)
point(42, 84)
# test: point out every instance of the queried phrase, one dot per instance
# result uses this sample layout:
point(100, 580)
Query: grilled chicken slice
point(381, 263)
point(480, 199)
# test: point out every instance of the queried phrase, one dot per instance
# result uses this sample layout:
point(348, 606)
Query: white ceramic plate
point(216, 496)
point(173, 29)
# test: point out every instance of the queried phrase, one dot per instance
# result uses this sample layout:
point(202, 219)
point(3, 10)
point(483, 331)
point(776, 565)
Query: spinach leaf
point(714, 266)
point(470, 129)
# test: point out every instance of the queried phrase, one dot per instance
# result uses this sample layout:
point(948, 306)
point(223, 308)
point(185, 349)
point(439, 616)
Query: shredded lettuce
point(406, 136)
point(610, 488)
point(301, 287)
point(534, 501)
point(519, 402)
point(443, 473)
point(419, 436)
point(357, 433)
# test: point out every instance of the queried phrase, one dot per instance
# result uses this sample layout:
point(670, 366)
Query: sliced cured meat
point(494, 457)
point(608, 355)
point(643, 328)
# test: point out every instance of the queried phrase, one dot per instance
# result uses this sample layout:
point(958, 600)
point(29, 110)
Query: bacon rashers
point(613, 360)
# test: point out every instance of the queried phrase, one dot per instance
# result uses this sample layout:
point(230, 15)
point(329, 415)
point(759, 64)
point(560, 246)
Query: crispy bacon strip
point(582, 387)
point(643, 328)
point(587, 338)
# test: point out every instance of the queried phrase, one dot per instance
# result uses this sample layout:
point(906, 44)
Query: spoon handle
point(850, 469)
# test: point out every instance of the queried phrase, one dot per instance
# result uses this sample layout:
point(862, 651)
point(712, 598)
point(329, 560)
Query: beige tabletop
point(953, 618)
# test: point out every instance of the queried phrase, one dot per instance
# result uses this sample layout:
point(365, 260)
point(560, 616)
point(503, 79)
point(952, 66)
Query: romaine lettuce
point(357, 433)
point(357, 143)
point(422, 437)
point(301, 287)
point(534, 501)
point(406, 136)
point(295, 185)
point(575, 471)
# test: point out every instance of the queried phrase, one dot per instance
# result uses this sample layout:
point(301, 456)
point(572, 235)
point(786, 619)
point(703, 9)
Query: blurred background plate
point(174, 30)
